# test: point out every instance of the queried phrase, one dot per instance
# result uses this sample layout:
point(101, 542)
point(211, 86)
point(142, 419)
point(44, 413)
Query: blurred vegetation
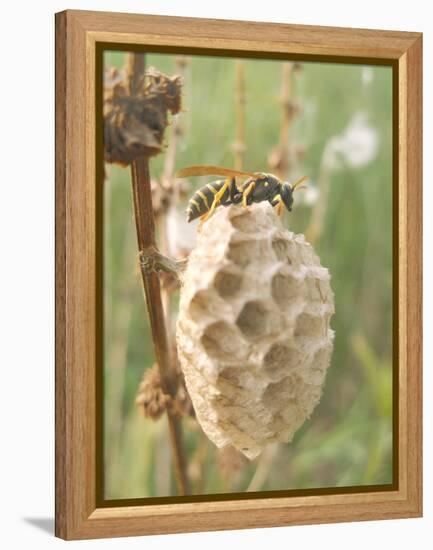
point(348, 440)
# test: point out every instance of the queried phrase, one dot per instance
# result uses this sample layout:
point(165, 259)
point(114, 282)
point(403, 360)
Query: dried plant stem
point(166, 295)
point(176, 130)
point(145, 227)
point(317, 220)
point(135, 69)
point(279, 159)
point(264, 468)
point(286, 93)
point(239, 146)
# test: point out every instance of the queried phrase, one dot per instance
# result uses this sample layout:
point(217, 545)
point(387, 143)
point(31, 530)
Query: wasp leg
point(202, 219)
point(235, 194)
point(247, 192)
point(216, 200)
point(278, 205)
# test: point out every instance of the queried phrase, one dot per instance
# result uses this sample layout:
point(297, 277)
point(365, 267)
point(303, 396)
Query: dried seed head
point(153, 401)
point(253, 332)
point(150, 398)
point(163, 193)
point(134, 123)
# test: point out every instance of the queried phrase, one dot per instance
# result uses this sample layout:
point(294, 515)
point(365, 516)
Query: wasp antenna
point(299, 182)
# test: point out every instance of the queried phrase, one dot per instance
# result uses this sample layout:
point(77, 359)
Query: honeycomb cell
point(232, 374)
point(227, 283)
point(309, 327)
point(321, 358)
point(281, 249)
point(277, 393)
point(242, 252)
point(254, 319)
point(244, 223)
point(280, 359)
point(198, 306)
point(286, 289)
point(221, 341)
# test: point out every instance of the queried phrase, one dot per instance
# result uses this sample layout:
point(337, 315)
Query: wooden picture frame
point(78, 36)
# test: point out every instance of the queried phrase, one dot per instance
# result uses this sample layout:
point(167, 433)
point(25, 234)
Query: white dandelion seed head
point(308, 195)
point(367, 76)
point(355, 147)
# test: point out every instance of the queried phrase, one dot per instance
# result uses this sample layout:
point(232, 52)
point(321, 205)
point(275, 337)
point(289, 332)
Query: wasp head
point(287, 195)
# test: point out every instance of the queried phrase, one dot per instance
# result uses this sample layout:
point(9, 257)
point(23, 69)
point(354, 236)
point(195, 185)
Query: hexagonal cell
point(280, 359)
point(291, 412)
point(276, 394)
point(308, 397)
point(227, 283)
point(221, 341)
point(307, 254)
point(231, 374)
point(281, 249)
point(316, 373)
point(255, 319)
point(321, 358)
point(198, 305)
point(309, 327)
point(231, 392)
point(316, 377)
point(244, 222)
point(313, 290)
point(242, 252)
point(285, 289)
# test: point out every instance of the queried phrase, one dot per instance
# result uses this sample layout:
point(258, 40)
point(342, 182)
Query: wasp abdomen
point(202, 200)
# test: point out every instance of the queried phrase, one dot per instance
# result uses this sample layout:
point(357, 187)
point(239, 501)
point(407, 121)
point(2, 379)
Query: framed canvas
point(238, 274)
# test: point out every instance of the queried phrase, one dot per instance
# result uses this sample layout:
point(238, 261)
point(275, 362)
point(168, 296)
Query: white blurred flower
point(307, 194)
point(367, 75)
point(310, 195)
point(181, 234)
point(355, 147)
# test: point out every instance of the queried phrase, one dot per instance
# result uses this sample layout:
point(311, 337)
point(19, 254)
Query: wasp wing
point(209, 170)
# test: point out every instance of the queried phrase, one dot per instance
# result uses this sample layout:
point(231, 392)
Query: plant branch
point(145, 227)
point(239, 146)
point(283, 156)
point(317, 220)
point(176, 130)
point(286, 93)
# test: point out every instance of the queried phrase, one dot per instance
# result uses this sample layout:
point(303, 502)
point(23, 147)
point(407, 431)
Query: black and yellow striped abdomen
point(203, 198)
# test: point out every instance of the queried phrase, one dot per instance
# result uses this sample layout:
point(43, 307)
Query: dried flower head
point(163, 193)
point(151, 399)
point(134, 123)
point(154, 401)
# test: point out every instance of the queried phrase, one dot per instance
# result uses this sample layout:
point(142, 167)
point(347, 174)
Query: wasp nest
point(253, 331)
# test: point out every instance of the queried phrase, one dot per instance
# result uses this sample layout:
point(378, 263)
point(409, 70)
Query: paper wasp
point(258, 187)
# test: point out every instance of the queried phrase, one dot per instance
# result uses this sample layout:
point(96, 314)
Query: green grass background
point(348, 440)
